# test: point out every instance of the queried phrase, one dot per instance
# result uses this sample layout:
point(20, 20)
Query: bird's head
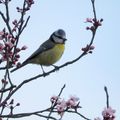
point(59, 36)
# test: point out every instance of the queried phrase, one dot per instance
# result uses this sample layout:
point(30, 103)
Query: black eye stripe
point(59, 36)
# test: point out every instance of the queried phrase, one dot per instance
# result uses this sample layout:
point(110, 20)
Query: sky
point(87, 77)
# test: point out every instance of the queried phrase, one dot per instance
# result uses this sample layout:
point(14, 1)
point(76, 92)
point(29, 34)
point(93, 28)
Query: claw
point(56, 67)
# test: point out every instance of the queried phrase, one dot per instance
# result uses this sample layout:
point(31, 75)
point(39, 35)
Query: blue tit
point(49, 52)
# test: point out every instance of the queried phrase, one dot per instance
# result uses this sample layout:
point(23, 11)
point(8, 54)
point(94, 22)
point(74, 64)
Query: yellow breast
point(50, 56)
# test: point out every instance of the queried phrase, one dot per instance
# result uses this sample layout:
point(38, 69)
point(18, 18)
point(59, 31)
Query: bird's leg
point(56, 67)
point(44, 73)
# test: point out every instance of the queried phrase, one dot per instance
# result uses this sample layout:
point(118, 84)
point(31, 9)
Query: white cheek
point(57, 40)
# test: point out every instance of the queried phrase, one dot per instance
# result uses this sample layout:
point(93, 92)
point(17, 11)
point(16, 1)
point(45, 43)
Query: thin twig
point(95, 18)
point(75, 112)
point(3, 17)
point(3, 68)
point(7, 71)
point(6, 20)
point(38, 113)
point(7, 89)
point(21, 27)
point(94, 11)
point(7, 10)
point(26, 115)
point(70, 111)
point(24, 26)
point(53, 105)
point(53, 118)
point(107, 96)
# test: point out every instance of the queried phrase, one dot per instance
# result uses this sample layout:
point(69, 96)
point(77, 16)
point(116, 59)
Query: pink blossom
point(19, 9)
point(1, 33)
point(108, 113)
point(89, 20)
point(88, 48)
point(18, 50)
point(24, 47)
point(92, 47)
point(30, 2)
point(10, 54)
point(26, 8)
point(14, 29)
point(54, 98)
point(4, 82)
point(74, 98)
point(95, 24)
point(13, 40)
point(1, 37)
point(18, 104)
point(61, 107)
point(19, 64)
point(3, 58)
point(1, 46)
point(9, 36)
point(14, 22)
point(62, 103)
point(17, 56)
point(72, 101)
point(9, 44)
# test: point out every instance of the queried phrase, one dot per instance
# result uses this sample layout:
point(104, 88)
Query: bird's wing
point(44, 47)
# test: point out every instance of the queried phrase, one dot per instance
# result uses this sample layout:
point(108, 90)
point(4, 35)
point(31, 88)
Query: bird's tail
point(22, 65)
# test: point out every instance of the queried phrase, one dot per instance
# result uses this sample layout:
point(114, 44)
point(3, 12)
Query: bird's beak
point(65, 39)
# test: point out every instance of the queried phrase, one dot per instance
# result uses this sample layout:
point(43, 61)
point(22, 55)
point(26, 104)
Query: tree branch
point(69, 111)
point(107, 96)
point(94, 11)
point(50, 110)
point(53, 105)
point(25, 24)
point(59, 67)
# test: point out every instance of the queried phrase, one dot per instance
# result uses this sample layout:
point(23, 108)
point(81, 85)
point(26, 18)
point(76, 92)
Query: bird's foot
point(56, 67)
point(45, 74)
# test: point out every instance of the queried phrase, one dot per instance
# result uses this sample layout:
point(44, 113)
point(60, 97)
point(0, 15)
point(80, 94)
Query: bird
point(49, 51)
